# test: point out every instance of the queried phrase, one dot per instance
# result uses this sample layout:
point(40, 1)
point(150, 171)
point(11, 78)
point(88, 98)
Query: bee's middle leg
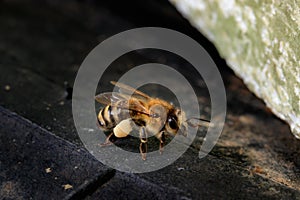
point(162, 140)
point(143, 144)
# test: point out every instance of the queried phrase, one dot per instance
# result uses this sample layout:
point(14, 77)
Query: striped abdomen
point(110, 116)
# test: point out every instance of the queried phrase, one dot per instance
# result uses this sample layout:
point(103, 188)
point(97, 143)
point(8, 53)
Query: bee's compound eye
point(172, 123)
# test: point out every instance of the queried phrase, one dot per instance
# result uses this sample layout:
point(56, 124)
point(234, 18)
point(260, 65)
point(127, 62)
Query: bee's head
point(176, 123)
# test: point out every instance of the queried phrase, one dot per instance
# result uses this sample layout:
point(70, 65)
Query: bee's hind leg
point(120, 131)
point(143, 144)
point(107, 141)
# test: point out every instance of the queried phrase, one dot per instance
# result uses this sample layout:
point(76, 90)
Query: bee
point(131, 109)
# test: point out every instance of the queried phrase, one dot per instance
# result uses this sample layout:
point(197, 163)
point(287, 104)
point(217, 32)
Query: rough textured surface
point(260, 41)
point(131, 186)
point(35, 164)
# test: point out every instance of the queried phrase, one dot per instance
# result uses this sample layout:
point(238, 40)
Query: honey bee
point(132, 109)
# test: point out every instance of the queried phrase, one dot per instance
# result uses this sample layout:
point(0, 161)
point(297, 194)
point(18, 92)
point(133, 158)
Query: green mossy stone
point(260, 41)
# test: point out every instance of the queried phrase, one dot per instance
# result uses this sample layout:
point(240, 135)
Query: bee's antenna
point(200, 119)
point(198, 122)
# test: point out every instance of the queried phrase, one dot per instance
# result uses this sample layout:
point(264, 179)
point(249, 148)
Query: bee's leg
point(143, 144)
point(162, 141)
point(120, 131)
point(107, 141)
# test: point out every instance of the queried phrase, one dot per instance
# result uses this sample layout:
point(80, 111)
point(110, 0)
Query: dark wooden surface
point(42, 45)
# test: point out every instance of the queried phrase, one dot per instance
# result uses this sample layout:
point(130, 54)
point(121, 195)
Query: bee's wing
point(110, 98)
point(125, 89)
point(122, 101)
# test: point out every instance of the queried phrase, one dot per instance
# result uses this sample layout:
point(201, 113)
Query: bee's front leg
point(143, 144)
